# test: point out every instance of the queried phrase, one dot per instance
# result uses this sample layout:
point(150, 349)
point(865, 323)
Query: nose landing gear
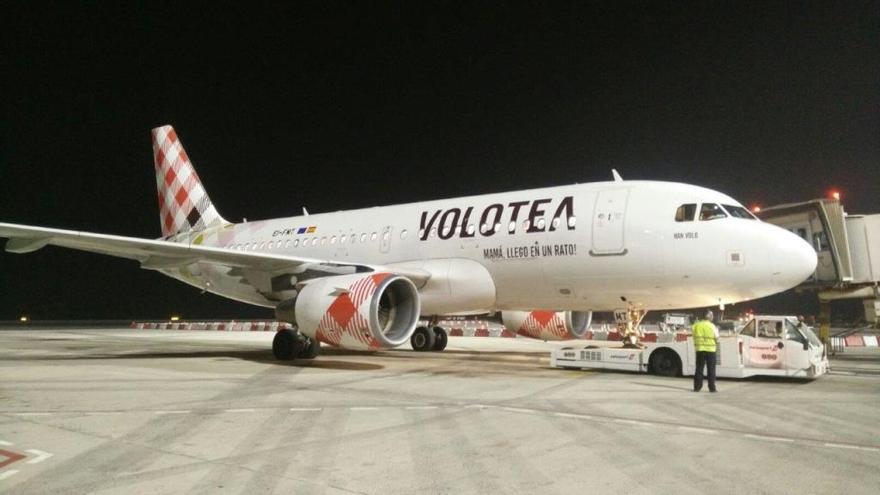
point(628, 321)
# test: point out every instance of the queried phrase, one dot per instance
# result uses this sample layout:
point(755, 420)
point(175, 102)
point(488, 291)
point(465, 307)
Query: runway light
point(175, 318)
point(24, 319)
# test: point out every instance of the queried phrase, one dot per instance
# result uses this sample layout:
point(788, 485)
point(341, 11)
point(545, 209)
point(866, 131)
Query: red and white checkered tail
point(184, 204)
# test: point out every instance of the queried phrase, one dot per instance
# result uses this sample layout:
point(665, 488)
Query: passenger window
point(739, 212)
point(685, 213)
point(711, 211)
point(749, 329)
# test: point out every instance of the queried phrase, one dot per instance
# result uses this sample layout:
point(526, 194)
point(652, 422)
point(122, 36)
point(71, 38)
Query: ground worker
point(706, 343)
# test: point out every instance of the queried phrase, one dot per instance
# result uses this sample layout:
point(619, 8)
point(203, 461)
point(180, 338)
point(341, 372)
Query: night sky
point(337, 105)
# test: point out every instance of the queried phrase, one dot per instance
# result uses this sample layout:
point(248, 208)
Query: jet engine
point(359, 311)
point(548, 324)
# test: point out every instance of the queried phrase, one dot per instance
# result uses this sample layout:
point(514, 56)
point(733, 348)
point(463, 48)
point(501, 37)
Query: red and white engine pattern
point(359, 311)
point(548, 324)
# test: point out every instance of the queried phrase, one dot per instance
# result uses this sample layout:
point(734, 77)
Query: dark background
point(336, 105)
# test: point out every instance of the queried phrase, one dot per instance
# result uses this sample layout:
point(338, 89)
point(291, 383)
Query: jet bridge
point(847, 248)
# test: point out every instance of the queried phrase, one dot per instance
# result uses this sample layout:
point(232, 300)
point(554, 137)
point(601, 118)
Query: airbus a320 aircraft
point(546, 258)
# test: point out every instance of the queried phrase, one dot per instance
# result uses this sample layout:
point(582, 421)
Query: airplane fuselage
point(598, 246)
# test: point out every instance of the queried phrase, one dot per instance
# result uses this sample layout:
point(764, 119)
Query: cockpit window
point(711, 211)
point(685, 213)
point(739, 212)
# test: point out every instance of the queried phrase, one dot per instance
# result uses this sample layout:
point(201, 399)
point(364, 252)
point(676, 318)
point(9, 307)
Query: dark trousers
point(707, 359)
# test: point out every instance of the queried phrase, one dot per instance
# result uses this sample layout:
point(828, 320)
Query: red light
point(756, 209)
point(835, 195)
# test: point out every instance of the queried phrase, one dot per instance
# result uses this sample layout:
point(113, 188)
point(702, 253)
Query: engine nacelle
point(359, 311)
point(548, 324)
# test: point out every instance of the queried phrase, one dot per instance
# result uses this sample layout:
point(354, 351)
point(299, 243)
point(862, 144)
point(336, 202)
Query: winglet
point(617, 177)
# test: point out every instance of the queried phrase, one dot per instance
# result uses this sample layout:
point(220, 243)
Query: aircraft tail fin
point(184, 204)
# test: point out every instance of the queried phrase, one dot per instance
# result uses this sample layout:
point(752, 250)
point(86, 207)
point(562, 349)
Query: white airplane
point(362, 279)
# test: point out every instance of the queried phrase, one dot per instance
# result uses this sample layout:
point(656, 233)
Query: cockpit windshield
point(685, 213)
point(711, 211)
point(739, 212)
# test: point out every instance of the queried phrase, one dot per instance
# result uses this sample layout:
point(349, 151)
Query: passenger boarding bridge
point(848, 251)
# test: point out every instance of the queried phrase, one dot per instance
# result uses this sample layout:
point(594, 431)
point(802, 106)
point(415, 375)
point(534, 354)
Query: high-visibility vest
point(704, 336)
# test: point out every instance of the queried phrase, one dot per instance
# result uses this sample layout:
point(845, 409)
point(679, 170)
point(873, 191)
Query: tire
point(441, 338)
point(286, 345)
point(310, 350)
point(665, 362)
point(422, 339)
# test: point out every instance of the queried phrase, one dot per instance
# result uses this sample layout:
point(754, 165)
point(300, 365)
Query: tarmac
point(128, 411)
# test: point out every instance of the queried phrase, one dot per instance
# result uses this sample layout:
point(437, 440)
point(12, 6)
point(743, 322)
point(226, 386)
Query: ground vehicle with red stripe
point(763, 346)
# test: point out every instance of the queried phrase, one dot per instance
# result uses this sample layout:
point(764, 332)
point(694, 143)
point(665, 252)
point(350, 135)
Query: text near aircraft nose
point(794, 260)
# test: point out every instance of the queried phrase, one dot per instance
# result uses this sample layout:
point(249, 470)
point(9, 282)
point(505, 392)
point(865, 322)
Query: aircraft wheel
point(665, 363)
point(286, 345)
point(422, 339)
point(440, 339)
point(311, 349)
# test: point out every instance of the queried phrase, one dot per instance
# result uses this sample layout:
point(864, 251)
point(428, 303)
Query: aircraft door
point(385, 240)
point(609, 214)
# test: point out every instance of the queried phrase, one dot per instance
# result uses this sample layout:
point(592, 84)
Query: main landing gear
point(429, 338)
point(290, 344)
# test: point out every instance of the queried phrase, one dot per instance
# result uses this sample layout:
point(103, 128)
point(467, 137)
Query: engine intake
point(548, 324)
point(359, 311)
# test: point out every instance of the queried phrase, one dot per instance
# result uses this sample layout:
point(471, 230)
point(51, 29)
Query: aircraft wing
point(160, 254)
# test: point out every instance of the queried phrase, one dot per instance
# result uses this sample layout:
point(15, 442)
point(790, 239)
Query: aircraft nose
point(795, 259)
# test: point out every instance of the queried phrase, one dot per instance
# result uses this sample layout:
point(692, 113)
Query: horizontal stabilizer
point(24, 245)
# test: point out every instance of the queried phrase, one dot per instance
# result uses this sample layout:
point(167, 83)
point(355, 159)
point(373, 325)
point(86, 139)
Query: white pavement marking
point(420, 408)
point(570, 415)
point(769, 439)
point(40, 456)
point(632, 422)
point(476, 406)
point(172, 412)
point(364, 408)
point(852, 447)
point(519, 410)
point(298, 409)
point(101, 413)
point(241, 410)
point(32, 414)
point(7, 474)
point(697, 430)
point(5, 443)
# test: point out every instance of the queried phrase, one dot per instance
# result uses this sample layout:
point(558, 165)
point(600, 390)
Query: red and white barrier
point(855, 341)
